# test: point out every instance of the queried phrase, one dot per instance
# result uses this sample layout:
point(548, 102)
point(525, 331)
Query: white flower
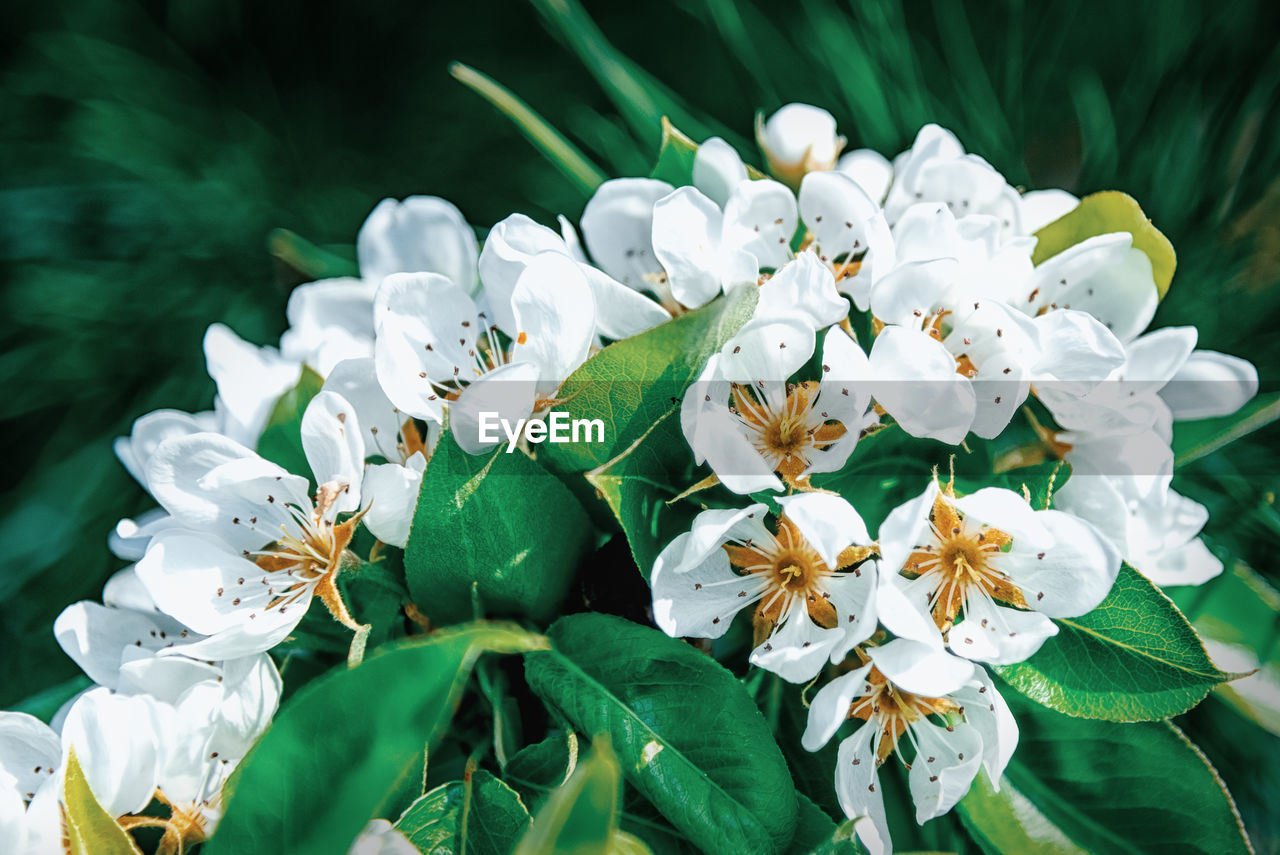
point(30, 758)
point(717, 170)
point(1041, 207)
point(379, 837)
point(388, 491)
point(991, 571)
point(329, 320)
point(705, 251)
point(798, 139)
point(953, 720)
point(936, 169)
point(795, 430)
point(436, 349)
point(617, 225)
point(422, 234)
point(252, 547)
point(1154, 527)
point(870, 169)
point(512, 245)
point(812, 580)
point(849, 232)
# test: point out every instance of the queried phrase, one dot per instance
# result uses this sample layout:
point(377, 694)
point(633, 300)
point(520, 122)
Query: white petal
point(97, 637)
point(917, 384)
point(700, 600)
point(827, 521)
point(760, 217)
point(334, 445)
point(903, 530)
point(150, 430)
point(915, 291)
point(422, 234)
point(617, 225)
point(391, 494)
point(357, 381)
point(687, 241)
point(858, 790)
point(213, 484)
point(711, 529)
point(27, 743)
point(837, 211)
point(620, 311)
point(1041, 207)
point(994, 341)
point(829, 709)
point(508, 249)
point(1074, 575)
point(854, 595)
point(987, 712)
point(844, 394)
point(508, 392)
point(799, 648)
point(768, 349)
point(129, 539)
point(114, 740)
point(920, 668)
point(1009, 512)
point(554, 317)
point(717, 169)
point(1189, 564)
point(1210, 384)
point(163, 677)
point(1105, 276)
point(250, 380)
point(1075, 348)
point(998, 635)
point(944, 768)
point(870, 169)
point(806, 288)
point(801, 136)
point(731, 456)
point(329, 320)
point(124, 590)
point(197, 581)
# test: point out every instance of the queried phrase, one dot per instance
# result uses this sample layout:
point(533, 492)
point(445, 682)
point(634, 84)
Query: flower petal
point(829, 709)
point(1041, 207)
point(768, 349)
point(997, 635)
point(555, 318)
point(799, 648)
point(509, 247)
point(800, 138)
point(803, 287)
point(114, 739)
point(711, 529)
point(508, 392)
point(96, 637)
point(700, 600)
point(920, 668)
point(1073, 576)
point(1105, 276)
point(870, 169)
point(422, 234)
point(687, 241)
point(827, 521)
point(356, 380)
point(25, 744)
point(620, 311)
point(717, 170)
point(858, 791)
point(945, 765)
point(1210, 384)
point(250, 380)
point(334, 445)
point(917, 384)
point(617, 225)
point(987, 712)
point(760, 217)
point(903, 530)
point(390, 494)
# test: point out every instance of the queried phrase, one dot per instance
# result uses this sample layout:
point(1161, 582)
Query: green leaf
point(310, 261)
point(484, 814)
point(638, 484)
point(634, 382)
point(544, 765)
point(1195, 439)
point(1008, 822)
point(281, 440)
point(689, 737)
point(553, 145)
point(46, 703)
point(497, 527)
point(1133, 658)
point(1105, 213)
point(580, 817)
point(341, 748)
point(90, 829)
point(817, 834)
point(1112, 788)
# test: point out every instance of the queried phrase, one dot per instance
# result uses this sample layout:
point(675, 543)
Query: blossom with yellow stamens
point(991, 571)
point(942, 720)
point(758, 431)
point(811, 578)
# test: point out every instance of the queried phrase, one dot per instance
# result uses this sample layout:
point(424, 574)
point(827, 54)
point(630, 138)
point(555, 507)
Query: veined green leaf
point(1108, 788)
point(580, 817)
point(1008, 822)
point(90, 829)
point(341, 748)
point(1193, 440)
point(1105, 213)
point(634, 382)
point(281, 440)
point(687, 733)
point(483, 815)
point(498, 527)
point(817, 834)
point(1133, 658)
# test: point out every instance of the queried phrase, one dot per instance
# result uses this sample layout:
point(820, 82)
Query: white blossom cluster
point(934, 247)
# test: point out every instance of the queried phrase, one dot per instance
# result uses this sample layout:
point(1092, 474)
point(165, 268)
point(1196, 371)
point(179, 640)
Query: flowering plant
point(859, 518)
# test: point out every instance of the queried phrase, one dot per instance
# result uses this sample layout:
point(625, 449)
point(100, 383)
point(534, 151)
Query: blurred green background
point(148, 149)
